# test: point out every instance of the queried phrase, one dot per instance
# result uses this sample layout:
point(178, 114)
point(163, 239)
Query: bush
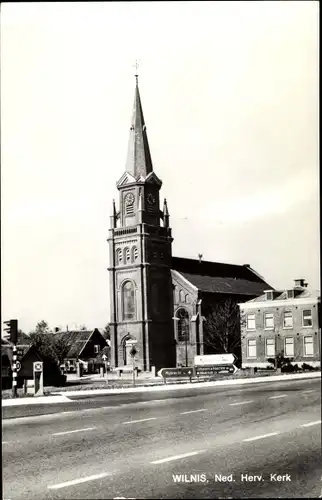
point(288, 368)
point(305, 366)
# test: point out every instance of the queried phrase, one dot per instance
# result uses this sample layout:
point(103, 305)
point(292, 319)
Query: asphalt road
point(195, 444)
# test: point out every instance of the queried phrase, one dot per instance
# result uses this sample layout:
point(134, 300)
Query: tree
point(60, 347)
point(106, 332)
point(222, 328)
point(42, 327)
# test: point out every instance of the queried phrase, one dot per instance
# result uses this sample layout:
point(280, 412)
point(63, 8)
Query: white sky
point(230, 98)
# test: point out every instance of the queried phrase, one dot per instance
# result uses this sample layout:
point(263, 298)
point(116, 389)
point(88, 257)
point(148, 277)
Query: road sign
point(212, 370)
point(18, 365)
point(38, 366)
point(133, 351)
point(215, 359)
point(131, 342)
point(176, 372)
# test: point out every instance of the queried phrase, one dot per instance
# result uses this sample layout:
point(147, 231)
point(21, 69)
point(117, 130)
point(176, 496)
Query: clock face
point(150, 199)
point(129, 199)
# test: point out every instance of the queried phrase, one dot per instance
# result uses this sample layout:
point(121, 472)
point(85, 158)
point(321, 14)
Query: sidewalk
point(62, 397)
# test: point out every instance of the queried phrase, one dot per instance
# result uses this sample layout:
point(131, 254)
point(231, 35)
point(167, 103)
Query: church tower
point(140, 244)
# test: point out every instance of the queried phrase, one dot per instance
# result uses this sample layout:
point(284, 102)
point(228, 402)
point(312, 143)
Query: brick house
point(84, 346)
point(282, 322)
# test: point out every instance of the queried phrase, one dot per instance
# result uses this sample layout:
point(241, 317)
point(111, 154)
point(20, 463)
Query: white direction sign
point(214, 359)
point(131, 342)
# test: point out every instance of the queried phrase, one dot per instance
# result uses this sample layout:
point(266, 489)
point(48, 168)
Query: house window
point(269, 321)
point(96, 349)
point(270, 347)
point(307, 318)
point(128, 300)
point(289, 346)
point(308, 346)
point(251, 322)
point(183, 325)
point(288, 319)
point(251, 348)
point(181, 296)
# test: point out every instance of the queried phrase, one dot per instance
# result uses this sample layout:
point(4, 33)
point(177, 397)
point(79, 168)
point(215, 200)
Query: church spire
point(138, 161)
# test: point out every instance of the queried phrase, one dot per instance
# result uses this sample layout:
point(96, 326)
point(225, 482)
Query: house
point(284, 322)
point(158, 301)
point(27, 355)
point(81, 346)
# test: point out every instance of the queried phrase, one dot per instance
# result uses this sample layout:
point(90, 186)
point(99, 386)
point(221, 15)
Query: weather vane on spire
point(136, 66)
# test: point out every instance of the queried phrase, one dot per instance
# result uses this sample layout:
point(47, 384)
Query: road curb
point(274, 378)
point(38, 400)
point(62, 397)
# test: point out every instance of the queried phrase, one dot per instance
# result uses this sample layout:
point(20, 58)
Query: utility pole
point(12, 329)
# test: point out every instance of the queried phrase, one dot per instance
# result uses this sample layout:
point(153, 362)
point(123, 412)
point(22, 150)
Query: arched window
point(183, 325)
point(128, 300)
point(135, 254)
point(186, 299)
point(119, 256)
point(127, 255)
point(181, 296)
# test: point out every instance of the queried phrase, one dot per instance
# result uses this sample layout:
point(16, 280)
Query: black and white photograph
point(160, 250)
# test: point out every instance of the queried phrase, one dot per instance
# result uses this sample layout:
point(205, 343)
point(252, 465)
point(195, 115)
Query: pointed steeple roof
point(138, 163)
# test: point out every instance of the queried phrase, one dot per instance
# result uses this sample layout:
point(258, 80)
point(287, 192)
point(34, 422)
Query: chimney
point(300, 282)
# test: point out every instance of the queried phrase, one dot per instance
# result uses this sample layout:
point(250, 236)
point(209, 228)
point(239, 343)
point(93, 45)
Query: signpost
point(215, 359)
point(38, 378)
point(181, 372)
point(214, 369)
point(104, 357)
point(11, 330)
point(133, 353)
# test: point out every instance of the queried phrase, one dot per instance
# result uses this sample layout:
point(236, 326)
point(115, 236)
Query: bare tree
point(222, 327)
point(106, 332)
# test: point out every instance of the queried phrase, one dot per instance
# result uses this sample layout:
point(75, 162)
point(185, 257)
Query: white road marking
point(192, 411)
point(261, 437)
point(142, 420)
point(78, 481)
point(280, 396)
point(70, 432)
point(241, 403)
point(316, 422)
point(309, 390)
point(5, 442)
point(177, 457)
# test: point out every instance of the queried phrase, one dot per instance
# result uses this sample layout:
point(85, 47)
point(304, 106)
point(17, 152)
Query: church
point(157, 300)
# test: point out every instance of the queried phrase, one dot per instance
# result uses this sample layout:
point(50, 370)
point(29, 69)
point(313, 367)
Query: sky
point(230, 98)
